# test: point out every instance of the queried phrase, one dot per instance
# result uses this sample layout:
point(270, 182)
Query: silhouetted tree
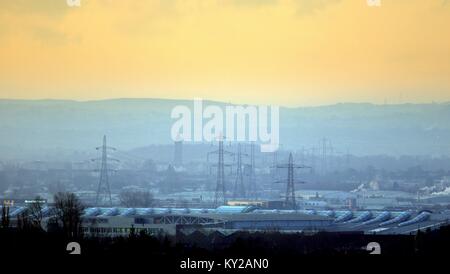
point(5, 217)
point(34, 209)
point(68, 211)
point(136, 198)
point(23, 222)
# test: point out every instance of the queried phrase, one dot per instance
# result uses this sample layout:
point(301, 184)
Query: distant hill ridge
point(28, 127)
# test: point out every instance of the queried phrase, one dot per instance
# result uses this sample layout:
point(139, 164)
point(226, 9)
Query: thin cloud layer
point(284, 51)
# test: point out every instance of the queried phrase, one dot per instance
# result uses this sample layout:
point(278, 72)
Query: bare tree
point(5, 216)
point(136, 198)
point(34, 209)
point(68, 211)
point(23, 223)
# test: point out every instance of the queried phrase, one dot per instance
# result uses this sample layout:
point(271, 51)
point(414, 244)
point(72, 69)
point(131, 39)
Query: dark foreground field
point(281, 250)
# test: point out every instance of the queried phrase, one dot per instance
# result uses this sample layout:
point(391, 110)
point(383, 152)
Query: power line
point(220, 191)
point(104, 190)
point(290, 187)
point(239, 188)
point(253, 192)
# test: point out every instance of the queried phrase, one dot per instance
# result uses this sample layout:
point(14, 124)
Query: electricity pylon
point(253, 191)
point(239, 188)
point(220, 192)
point(290, 187)
point(104, 190)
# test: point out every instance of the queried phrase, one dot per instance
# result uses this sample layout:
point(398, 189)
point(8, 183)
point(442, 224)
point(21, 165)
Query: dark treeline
point(29, 241)
point(289, 252)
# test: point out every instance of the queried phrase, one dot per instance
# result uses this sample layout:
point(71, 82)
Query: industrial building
point(112, 222)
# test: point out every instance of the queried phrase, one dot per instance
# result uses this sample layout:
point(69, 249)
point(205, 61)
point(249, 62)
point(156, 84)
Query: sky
point(286, 52)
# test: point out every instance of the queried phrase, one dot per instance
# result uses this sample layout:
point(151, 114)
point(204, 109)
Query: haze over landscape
point(49, 127)
point(99, 98)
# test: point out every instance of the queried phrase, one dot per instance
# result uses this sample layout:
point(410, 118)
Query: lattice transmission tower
point(220, 190)
point(252, 187)
point(290, 186)
point(239, 187)
point(103, 196)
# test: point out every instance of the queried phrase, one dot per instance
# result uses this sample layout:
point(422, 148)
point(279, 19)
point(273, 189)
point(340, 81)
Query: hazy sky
point(290, 52)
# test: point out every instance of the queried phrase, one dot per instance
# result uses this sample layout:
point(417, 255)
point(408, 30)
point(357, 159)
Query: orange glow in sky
point(289, 52)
